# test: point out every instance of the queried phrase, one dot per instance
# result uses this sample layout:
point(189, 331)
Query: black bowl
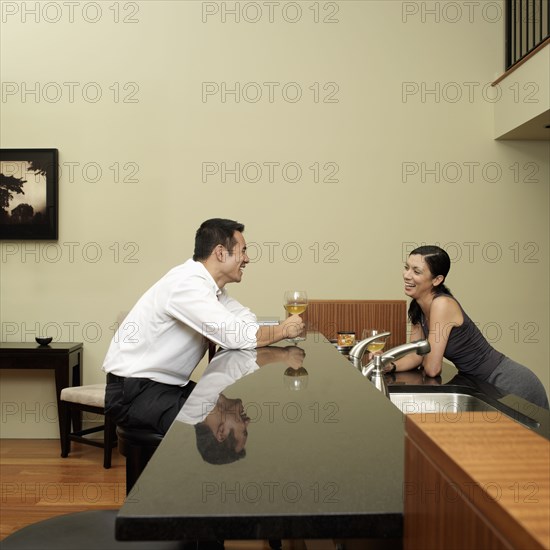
point(44, 341)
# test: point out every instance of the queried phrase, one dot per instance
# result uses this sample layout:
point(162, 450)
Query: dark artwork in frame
point(29, 194)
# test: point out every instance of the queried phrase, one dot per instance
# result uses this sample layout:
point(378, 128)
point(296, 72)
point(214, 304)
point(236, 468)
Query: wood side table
point(64, 358)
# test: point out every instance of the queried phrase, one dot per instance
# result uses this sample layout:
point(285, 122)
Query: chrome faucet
point(374, 370)
point(357, 351)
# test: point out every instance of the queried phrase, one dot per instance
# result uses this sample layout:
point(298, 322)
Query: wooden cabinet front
point(475, 482)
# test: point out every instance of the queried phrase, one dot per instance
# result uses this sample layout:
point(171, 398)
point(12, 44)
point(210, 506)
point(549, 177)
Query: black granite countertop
point(323, 461)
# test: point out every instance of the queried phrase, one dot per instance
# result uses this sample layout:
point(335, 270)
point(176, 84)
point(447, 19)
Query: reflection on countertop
point(304, 472)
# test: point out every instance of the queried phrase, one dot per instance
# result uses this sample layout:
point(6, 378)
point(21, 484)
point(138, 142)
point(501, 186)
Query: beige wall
point(390, 92)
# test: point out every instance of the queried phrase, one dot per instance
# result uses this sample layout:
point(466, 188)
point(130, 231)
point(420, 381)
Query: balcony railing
point(527, 26)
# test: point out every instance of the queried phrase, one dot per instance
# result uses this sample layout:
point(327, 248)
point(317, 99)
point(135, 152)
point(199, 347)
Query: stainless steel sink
point(444, 403)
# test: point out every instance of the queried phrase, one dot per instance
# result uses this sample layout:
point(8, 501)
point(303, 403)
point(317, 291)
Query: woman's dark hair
point(213, 232)
point(214, 451)
point(439, 263)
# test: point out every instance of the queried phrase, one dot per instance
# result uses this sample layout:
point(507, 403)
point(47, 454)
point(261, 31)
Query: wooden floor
point(37, 484)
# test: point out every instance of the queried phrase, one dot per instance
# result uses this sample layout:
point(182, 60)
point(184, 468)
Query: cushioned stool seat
point(91, 530)
point(91, 398)
point(138, 446)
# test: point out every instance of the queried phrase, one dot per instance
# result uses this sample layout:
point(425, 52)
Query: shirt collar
point(199, 266)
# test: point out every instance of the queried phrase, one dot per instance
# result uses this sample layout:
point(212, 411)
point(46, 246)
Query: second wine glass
point(376, 345)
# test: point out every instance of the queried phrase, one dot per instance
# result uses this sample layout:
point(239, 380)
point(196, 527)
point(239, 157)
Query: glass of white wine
point(377, 345)
point(295, 303)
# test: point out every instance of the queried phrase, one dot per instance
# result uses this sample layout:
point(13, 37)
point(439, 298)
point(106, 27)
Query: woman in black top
point(436, 315)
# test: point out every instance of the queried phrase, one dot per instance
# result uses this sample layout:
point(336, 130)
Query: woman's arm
point(444, 315)
point(411, 361)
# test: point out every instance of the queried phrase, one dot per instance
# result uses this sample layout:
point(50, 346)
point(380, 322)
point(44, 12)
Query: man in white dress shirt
point(166, 334)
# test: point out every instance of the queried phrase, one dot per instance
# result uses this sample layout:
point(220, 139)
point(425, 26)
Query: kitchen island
point(324, 455)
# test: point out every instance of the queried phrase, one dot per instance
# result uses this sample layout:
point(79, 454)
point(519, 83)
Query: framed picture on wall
point(29, 193)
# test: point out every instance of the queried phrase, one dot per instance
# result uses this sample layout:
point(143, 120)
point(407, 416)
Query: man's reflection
point(222, 435)
point(221, 423)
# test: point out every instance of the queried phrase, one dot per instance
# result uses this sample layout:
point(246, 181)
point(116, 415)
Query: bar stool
point(91, 398)
point(138, 446)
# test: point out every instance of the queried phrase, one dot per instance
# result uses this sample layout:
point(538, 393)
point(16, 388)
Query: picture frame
point(29, 180)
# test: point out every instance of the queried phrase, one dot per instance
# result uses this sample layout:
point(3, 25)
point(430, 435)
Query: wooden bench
point(332, 316)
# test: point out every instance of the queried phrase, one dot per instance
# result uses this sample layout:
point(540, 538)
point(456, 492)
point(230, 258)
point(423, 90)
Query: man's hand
point(292, 326)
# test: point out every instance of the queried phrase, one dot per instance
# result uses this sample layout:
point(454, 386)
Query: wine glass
point(377, 345)
point(295, 303)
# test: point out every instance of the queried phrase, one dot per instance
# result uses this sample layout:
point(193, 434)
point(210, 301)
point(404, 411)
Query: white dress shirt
point(164, 336)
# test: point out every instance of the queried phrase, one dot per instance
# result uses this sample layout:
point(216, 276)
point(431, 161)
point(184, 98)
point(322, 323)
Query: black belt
point(112, 378)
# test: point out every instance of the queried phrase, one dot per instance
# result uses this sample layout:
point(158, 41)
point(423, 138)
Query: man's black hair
point(213, 232)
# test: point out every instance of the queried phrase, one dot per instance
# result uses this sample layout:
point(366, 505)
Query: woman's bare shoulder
point(447, 306)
